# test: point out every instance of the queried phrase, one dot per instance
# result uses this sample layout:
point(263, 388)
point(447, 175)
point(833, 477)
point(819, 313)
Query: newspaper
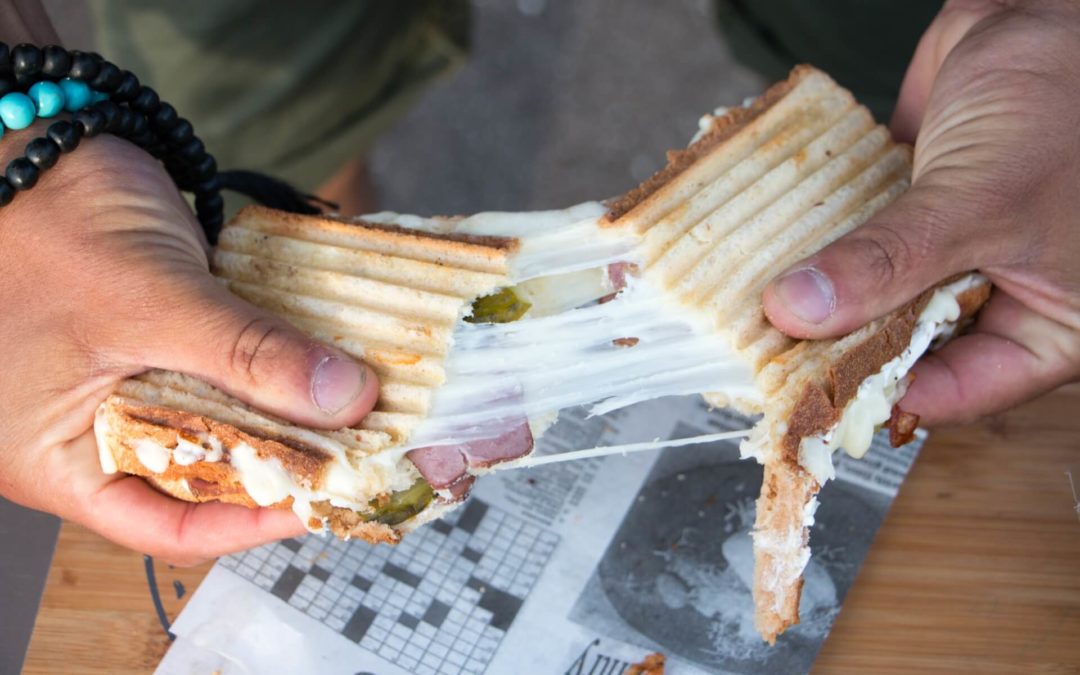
point(580, 568)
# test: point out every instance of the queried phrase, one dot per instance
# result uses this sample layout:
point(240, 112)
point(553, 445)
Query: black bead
point(164, 118)
point(111, 112)
point(212, 226)
point(7, 193)
point(26, 61)
point(192, 151)
point(107, 79)
point(7, 84)
point(65, 134)
point(211, 185)
point(181, 133)
point(139, 125)
point(22, 174)
point(146, 101)
point(42, 153)
point(5, 58)
point(84, 67)
point(204, 170)
point(144, 139)
point(124, 122)
point(56, 62)
point(209, 202)
point(89, 121)
point(128, 87)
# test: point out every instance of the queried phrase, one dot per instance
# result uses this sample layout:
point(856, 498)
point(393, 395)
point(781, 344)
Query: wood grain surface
point(976, 570)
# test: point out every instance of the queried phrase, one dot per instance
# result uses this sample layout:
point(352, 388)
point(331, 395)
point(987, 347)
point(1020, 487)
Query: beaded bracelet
point(42, 82)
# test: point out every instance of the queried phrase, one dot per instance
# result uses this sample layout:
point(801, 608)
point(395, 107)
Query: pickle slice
point(502, 307)
point(403, 504)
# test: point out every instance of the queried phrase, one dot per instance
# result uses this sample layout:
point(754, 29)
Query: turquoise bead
point(48, 97)
point(96, 96)
point(76, 94)
point(17, 110)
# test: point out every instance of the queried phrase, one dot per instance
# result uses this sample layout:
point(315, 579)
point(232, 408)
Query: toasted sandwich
point(482, 328)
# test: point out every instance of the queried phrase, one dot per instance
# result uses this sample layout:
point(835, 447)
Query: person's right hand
point(104, 275)
point(993, 93)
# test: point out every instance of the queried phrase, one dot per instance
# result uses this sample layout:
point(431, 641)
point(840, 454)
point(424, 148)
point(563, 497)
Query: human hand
point(993, 93)
point(104, 276)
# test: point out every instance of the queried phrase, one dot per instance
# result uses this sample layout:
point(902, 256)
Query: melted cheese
point(539, 365)
point(873, 402)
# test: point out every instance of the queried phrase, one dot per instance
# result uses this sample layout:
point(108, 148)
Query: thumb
point(257, 357)
point(905, 249)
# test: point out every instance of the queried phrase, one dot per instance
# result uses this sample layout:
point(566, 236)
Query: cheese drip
point(569, 350)
point(634, 348)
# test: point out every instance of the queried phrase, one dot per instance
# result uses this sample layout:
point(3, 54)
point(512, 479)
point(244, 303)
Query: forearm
point(26, 21)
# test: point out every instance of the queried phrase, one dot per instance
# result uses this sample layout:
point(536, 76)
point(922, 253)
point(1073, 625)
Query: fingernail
point(336, 384)
point(808, 294)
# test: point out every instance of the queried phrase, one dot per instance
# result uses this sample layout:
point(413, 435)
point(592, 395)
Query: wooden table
point(976, 570)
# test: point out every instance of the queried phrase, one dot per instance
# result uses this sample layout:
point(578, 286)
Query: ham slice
point(446, 467)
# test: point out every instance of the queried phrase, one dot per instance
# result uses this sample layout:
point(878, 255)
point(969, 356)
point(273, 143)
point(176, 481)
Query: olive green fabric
point(864, 44)
point(294, 89)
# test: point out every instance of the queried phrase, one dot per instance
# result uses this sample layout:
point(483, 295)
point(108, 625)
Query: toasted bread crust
point(723, 127)
point(163, 426)
point(505, 244)
point(492, 249)
point(785, 490)
point(205, 481)
point(787, 487)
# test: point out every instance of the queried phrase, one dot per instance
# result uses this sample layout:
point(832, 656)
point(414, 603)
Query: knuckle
point(885, 254)
point(254, 343)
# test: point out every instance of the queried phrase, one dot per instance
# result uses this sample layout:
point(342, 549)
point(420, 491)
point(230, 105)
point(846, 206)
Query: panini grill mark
point(774, 220)
point(378, 296)
point(405, 398)
point(787, 178)
point(745, 320)
point(652, 198)
point(483, 254)
point(390, 269)
point(506, 244)
point(349, 320)
point(829, 215)
point(180, 392)
point(381, 293)
point(745, 166)
point(398, 426)
point(390, 362)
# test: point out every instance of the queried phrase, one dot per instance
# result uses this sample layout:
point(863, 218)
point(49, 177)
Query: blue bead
point(76, 94)
point(48, 97)
point(96, 96)
point(17, 110)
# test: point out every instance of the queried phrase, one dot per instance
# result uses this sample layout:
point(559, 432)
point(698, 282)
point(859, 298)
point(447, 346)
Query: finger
point(131, 513)
point(1013, 355)
point(906, 248)
point(259, 358)
point(948, 28)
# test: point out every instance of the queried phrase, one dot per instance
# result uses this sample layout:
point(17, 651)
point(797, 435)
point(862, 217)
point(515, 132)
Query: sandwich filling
point(873, 403)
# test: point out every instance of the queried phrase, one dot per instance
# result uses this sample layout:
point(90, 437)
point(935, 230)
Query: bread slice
point(388, 296)
point(681, 261)
point(764, 186)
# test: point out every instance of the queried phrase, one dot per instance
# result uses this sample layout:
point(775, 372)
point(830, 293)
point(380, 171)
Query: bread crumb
point(653, 664)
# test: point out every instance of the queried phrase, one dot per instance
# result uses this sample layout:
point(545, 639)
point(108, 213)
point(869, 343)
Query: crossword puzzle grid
point(438, 602)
